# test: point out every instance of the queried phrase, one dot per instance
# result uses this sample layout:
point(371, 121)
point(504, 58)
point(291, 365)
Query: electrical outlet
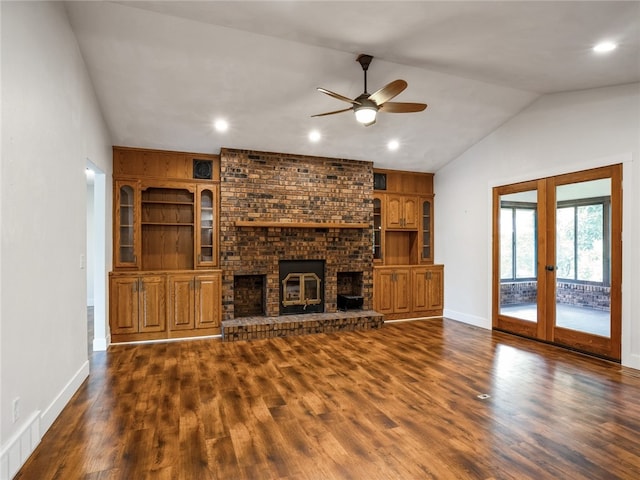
point(16, 409)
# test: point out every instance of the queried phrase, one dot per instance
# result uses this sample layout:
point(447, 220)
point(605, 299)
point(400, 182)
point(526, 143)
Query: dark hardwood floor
point(397, 403)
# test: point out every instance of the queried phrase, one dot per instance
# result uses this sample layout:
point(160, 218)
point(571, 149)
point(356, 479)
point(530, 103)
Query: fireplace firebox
point(301, 286)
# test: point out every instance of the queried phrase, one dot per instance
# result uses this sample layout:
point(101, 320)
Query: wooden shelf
point(280, 224)
point(162, 202)
point(169, 224)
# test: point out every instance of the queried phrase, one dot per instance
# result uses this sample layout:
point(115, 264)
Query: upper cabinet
point(402, 212)
point(406, 284)
point(165, 210)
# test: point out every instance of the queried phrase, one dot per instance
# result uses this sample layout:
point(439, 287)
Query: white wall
point(557, 134)
point(51, 127)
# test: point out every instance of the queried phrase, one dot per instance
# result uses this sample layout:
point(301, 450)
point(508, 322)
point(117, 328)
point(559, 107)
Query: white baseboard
point(61, 400)
point(20, 446)
point(466, 318)
point(633, 361)
point(100, 344)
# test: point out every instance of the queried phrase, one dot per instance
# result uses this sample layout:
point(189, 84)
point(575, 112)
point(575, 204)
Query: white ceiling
point(163, 71)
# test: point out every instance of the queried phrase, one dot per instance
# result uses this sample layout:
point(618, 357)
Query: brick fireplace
point(303, 208)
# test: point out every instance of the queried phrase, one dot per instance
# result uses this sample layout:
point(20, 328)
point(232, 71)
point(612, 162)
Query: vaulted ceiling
point(163, 72)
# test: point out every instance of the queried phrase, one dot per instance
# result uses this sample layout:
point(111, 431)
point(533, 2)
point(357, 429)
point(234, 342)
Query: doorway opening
point(96, 259)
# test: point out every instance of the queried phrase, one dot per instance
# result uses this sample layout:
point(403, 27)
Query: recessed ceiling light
point(221, 125)
point(604, 47)
point(393, 145)
point(314, 136)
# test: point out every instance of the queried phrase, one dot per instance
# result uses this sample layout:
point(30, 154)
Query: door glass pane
point(518, 255)
point(583, 289)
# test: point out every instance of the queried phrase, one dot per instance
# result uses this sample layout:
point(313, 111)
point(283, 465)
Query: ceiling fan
point(366, 106)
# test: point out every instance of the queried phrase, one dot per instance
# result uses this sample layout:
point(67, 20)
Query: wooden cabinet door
point(208, 300)
point(427, 288)
point(420, 289)
point(181, 302)
point(152, 316)
point(394, 211)
point(123, 304)
point(383, 291)
point(410, 213)
point(391, 292)
point(436, 288)
point(401, 212)
point(402, 291)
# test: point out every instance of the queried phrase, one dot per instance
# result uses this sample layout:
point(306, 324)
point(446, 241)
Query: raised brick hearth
point(256, 328)
point(268, 187)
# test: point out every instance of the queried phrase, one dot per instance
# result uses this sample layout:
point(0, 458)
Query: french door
point(557, 260)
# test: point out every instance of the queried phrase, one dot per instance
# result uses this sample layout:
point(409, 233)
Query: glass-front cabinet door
point(206, 247)
point(377, 229)
point(127, 230)
point(426, 230)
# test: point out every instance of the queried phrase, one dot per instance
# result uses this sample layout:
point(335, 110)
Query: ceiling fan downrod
point(364, 61)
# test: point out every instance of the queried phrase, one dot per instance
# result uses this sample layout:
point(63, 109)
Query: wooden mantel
point(286, 224)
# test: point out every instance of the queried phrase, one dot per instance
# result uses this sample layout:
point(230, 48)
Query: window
point(582, 238)
point(518, 241)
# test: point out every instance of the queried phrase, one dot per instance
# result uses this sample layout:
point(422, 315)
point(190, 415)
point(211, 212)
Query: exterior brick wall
point(579, 295)
point(263, 186)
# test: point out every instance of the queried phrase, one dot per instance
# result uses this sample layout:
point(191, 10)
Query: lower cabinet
point(138, 304)
point(391, 292)
point(427, 288)
point(408, 291)
point(194, 301)
point(152, 306)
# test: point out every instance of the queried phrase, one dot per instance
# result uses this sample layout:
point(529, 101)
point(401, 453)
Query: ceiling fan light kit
point(366, 106)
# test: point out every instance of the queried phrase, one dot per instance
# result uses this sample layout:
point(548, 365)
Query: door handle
point(549, 268)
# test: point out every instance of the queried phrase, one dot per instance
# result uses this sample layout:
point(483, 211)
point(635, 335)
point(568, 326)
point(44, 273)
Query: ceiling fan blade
point(402, 107)
point(338, 96)
point(387, 92)
point(331, 113)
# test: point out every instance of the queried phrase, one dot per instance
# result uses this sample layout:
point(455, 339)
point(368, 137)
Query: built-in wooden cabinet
point(166, 214)
point(406, 283)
